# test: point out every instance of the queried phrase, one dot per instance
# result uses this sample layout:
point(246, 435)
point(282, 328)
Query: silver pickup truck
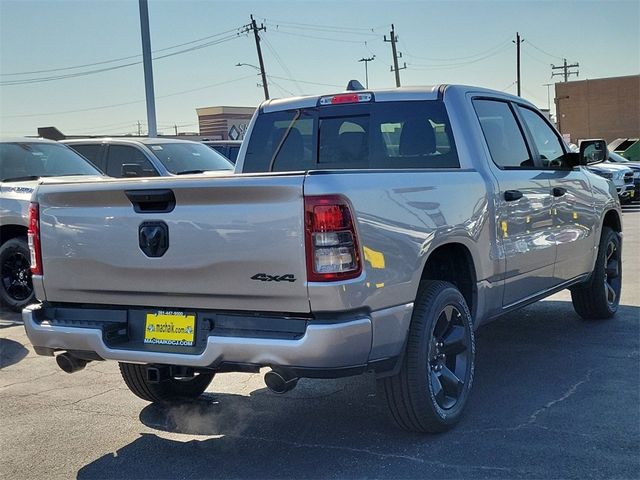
point(363, 231)
point(24, 162)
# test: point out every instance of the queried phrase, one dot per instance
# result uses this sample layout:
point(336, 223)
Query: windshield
point(189, 158)
point(24, 160)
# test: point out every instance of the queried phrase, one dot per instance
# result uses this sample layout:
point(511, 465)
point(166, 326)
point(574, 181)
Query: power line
point(281, 62)
point(459, 64)
point(102, 107)
point(307, 82)
point(327, 28)
point(542, 51)
point(455, 59)
point(316, 37)
point(104, 62)
point(116, 67)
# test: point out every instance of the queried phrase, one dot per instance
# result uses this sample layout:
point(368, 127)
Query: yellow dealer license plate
point(170, 328)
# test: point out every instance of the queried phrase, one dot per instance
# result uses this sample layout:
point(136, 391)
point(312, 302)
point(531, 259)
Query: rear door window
point(120, 156)
point(503, 135)
point(92, 152)
point(385, 135)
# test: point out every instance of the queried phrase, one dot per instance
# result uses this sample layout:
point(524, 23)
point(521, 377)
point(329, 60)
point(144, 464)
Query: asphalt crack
point(394, 456)
point(571, 391)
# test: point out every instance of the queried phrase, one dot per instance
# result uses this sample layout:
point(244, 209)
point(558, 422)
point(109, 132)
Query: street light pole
point(148, 69)
point(548, 96)
point(366, 69)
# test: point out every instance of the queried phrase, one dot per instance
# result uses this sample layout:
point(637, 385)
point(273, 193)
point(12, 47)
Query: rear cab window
point(384, 135)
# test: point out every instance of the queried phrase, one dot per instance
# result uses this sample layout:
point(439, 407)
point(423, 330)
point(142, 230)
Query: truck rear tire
point(16, 288)
point(599, 297)
point(432, 388)
point(170, 390)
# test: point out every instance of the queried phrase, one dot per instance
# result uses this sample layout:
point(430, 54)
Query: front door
point(574, 215)
point(524, 207)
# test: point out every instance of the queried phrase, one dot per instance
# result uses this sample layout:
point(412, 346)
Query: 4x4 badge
point(263, 277)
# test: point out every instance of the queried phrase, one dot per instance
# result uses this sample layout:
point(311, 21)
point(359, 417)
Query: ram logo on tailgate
point(154, 238)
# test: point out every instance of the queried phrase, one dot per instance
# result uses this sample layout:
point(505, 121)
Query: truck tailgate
point(234, 243)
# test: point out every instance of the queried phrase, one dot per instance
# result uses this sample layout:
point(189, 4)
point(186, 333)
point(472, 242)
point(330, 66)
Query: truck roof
point(134, 140)
point(429, 92)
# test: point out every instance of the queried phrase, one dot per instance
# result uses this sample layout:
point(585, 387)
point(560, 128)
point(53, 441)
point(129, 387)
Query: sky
point(77, 65)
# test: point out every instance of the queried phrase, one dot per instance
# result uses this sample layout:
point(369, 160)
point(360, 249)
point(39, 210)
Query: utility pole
point(518, 41)
point(366, 70)
point(395, 68)
point(148, 69)
point(175, 127)
point(254, 27)
point(565, 70)
point(139, 128)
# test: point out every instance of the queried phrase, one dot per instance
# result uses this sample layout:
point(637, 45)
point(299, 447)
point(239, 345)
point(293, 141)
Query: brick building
point(224, 123)
point(606, 108)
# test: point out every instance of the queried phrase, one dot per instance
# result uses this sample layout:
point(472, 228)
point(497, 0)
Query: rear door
point(574, 215)
point(524, 206)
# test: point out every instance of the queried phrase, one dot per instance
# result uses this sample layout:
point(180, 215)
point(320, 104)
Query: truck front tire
point(432, 388)
point(599, 297)
point(170, 390)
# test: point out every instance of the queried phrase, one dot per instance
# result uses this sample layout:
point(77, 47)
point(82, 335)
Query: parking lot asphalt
point(554, 397)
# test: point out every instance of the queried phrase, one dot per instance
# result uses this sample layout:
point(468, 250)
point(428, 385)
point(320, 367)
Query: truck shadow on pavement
point(550, 390)
point(11, 352)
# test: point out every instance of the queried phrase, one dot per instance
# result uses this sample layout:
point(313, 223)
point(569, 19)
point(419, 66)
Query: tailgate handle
point(152, 201)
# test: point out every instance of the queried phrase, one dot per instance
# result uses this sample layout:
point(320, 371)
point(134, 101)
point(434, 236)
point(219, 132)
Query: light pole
point(366, 69)
point(548, 96)
point(148, 69)
point(254, 67)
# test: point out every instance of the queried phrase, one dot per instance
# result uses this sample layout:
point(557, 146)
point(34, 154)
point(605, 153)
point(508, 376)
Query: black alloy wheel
point(16, 287)
point(449, 359)
point(432, 388)
point(598, 298)
point(612, 277)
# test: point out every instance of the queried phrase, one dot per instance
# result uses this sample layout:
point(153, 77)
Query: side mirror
point(131, 170)
point(593, 151)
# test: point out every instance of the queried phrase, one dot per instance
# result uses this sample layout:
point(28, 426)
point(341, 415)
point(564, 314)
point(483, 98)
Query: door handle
point(558, 191)
point(511, 195)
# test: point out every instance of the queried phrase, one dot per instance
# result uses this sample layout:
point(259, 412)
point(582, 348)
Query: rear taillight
point(331, 241)
point(33, 235)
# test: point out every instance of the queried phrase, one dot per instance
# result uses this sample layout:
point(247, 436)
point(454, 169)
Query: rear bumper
point(346, 343)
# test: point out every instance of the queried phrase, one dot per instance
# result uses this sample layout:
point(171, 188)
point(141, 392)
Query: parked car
point(24, 162)
point(228, 148)
point(621, 176)
point(369, 231)
point(635, 166)
point(149, 157)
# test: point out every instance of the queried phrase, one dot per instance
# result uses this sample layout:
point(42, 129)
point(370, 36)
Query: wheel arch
point(7, 232)
point(453, 262)
point(612, 220)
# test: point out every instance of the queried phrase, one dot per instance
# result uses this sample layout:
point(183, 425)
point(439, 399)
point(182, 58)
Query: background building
point(606, 108)
point(224, 123)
